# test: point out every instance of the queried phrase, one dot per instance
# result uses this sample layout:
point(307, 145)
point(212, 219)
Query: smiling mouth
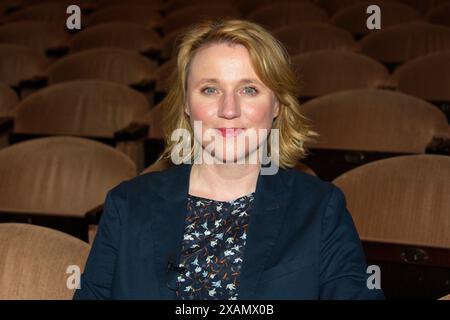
point(230, 132)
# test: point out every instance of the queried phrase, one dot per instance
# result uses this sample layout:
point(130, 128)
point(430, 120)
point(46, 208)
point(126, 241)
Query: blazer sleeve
point(342, 260)
point(96, 280)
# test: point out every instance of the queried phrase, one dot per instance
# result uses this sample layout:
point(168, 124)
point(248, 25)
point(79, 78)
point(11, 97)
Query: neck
point(223, 182)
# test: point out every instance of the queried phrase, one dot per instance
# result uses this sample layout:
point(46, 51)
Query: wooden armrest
point(152, 53)
point(6, 124)
point(93, 216)
point(57, 51)
point(439, 145)
point(145, 85)
point(34, 83)
point(134, 131)
point(74, 225)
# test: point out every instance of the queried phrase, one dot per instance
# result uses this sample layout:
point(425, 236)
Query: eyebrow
point(242, 81)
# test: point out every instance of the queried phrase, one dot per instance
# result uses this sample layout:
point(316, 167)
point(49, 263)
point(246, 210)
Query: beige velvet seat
point(8, 100)
point(53, 12)
point(112, 64)
point(157, 4)
point(424, 6)
point(399, 44)
point(307, 37)
point(59, 179)
point(401, 200)
point(440, 15)
point(400, 208)
point(374, 120)
point(360, 126)
point(141, 14)
point(85, 108)
point(169, 43)
point(246, 7)
point(162, 74)
point(334, 6)
point(7, 6)
point(354, 18)
point(428, 78)
point(153, 119)
point(277, 15)
point(193, 14)
point(18, 63)
point(175, 5)
point(34, 261)
point(327, 71)
point(125, 35)
point(38, 35)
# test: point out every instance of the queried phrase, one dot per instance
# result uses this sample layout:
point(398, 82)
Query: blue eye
point(209, 90)
point(250, 90)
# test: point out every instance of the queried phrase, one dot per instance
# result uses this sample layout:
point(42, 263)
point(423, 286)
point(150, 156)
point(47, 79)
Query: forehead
point(223, 61)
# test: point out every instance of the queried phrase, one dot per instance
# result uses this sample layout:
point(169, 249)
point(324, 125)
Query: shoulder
point(151, 183)
point(306, 185)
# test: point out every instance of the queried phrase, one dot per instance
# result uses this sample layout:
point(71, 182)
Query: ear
point(186, 110)
point(276, 110)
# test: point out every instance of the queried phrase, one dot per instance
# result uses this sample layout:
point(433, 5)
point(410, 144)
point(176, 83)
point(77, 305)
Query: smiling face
point(226, 95)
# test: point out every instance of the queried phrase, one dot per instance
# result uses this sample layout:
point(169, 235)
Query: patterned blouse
point(213, 247)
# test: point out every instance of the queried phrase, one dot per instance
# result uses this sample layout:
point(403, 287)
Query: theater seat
point(354, 18)
point(147, 15)
point(36, 262)
point(307, 37)
point(44, 37)
point(440, 15)
point(20, 66)
point(277, 15)
point(110, 64)
point(8, 100)
point(400, 207)
point(57, 181)
point(93, 109)
point(360, 126)
point(193, 14)
point(129, 36)
point(428, 78)
point(327, 71)
point(398, 44)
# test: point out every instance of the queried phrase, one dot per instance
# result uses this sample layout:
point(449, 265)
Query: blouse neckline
point(249, 195)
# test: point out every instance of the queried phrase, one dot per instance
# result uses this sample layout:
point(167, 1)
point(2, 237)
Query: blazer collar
point(168, 223)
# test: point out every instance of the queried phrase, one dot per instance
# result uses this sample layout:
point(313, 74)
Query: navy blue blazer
point(301, 241)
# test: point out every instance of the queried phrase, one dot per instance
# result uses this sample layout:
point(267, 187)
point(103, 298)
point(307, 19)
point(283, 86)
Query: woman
point(228, 226)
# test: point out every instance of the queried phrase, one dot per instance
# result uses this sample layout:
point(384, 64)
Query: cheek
point(260, 115)
point(201, 110)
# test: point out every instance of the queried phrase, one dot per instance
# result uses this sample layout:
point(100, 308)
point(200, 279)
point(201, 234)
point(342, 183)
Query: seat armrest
point(440, 144)
point(93, 216)
point(34, 83)
point(152, 53)
point(144, 86)
point(6, 124)
point(134, 131)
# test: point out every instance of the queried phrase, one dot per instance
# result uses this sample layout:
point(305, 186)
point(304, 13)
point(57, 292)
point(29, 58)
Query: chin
point(230, 156)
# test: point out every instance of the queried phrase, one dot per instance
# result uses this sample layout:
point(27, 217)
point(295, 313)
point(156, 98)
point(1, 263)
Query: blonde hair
point(272, 65)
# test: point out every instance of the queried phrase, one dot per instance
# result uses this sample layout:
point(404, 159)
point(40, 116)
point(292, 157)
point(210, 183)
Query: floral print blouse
point(213, 247)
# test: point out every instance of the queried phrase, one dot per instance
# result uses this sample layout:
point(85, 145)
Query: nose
point(229, 107)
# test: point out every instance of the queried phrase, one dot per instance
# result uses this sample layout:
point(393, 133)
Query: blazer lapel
point(169, 212)
point(266, 219)
point(167, 229)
